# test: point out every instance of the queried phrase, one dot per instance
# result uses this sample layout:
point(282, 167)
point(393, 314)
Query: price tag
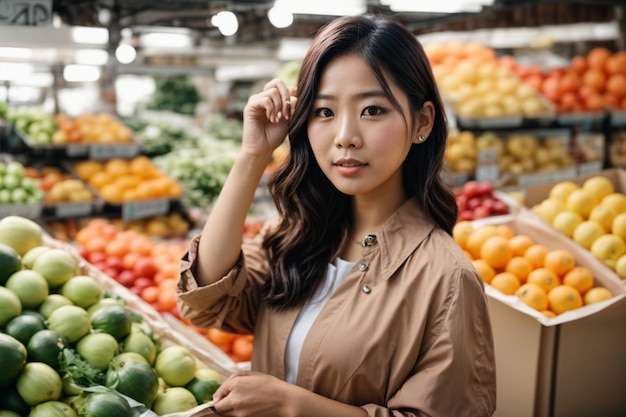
point(529, 179)
point(76, 150)
point(113, 151)
point(26, 12)
point(146, 208)
point(487, 168)
point(73, 209)
point(30, 211)
point(589, 168)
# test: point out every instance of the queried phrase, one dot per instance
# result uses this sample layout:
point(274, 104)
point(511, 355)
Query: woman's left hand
point(248, 393)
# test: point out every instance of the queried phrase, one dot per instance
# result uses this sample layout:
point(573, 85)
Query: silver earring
point(421, 138)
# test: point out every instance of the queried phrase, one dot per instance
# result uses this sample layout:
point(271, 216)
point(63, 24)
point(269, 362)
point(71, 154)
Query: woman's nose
point(348, 135)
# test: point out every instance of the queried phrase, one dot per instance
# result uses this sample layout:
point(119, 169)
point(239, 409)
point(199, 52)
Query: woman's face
point(359, 139)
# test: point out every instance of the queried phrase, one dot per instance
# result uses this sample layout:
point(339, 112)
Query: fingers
point(280, 96)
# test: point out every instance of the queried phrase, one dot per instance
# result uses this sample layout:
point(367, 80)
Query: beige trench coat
point(406, 334)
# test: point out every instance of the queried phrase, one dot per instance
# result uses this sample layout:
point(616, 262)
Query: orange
point(505, 282)
point(505, 231)
point(112, 193)
point(469, 255)
point(519, 266)
point(117, 167)
point(496, 251)
point(597, 294)
point(563, 298)
point(560, 261)
point(485, 270)
point(140, 165)
point(100, 179)
point(519, 244)
point(480, 235)
point(545, 278)
point(580, 278)
point(116, 247)
point(242, 348)
point(533, 296)
point(535, 254)
point(548, 313)
point(220, 337)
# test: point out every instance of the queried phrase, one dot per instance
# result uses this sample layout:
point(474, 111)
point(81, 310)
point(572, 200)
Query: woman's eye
point(324, 112)
point(372, 111)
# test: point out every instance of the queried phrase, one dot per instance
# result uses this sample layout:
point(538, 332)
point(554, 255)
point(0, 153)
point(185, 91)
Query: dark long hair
point(315, 217)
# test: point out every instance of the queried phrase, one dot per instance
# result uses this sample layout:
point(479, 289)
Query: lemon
point(562, 190)
point(598, 186)
point(587, 232)
point(567, 221)
point(581, 201)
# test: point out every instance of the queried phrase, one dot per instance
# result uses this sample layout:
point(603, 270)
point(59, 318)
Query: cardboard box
point(573, 365)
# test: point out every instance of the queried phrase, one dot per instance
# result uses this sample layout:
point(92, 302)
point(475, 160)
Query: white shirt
point(334, 276)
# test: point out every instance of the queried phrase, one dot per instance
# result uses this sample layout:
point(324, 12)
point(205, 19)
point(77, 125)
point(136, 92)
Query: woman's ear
point(425, 121)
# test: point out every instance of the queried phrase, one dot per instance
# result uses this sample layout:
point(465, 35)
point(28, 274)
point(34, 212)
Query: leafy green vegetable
point(75, 369)
point(177, 94)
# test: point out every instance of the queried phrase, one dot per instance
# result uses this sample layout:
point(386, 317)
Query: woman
point(360, 301)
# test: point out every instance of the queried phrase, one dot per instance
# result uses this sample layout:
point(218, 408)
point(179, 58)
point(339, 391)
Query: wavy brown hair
point(315, 217)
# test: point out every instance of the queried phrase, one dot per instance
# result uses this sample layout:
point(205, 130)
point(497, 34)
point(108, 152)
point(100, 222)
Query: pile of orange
point(548, 280)
point(120, 180)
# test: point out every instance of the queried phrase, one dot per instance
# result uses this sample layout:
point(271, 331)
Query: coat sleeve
point(455, 375)
point(232, 302)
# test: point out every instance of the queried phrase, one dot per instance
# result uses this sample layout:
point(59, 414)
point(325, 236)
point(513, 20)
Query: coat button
point(369, 240)
point(362, 267)
point(366, 289)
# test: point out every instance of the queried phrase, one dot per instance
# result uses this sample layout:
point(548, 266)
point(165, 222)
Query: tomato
point(126, 278)
point(145, 267)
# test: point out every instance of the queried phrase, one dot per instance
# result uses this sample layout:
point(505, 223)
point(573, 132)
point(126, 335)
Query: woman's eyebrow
point(364, 94)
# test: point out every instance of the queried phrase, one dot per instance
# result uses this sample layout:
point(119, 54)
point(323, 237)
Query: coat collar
point(399, 236)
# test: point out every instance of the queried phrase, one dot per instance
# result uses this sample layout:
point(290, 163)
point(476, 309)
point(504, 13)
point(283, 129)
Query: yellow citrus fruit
point(519, 266)
point(496, 251)
point(562, 190)
point(620, 267)
point(608, 248)
point(505, 282)
point(533, 296)
point(485, 270)
point(564, 298)
point(597, 294)
point(617, 201)
point(549, 208)
point(618, 226)
point(587, 232)
point(560, 261)
point(536, 254)
point(567, 221)
point(548, 313)
point(604, 215)
point(461, 232)
point(598, 186)
point(580, 278)
point(581, 201)
point(519, 244)
point(544, 277)
point(475, 240)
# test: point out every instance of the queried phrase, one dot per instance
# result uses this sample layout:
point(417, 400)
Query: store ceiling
point(254, 26)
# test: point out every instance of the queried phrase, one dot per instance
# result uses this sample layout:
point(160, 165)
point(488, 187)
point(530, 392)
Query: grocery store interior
point(120, 120)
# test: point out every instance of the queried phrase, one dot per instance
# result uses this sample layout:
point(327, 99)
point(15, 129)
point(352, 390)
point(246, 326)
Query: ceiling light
point(81, 73)
point(165, 40)
point(226, 22)
point(82, 34)
point(13, 71)
point(125, 54)
point(448, 6)
point(91, 57)
point(280, 17)
point(11, 52)
point(323, 7)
